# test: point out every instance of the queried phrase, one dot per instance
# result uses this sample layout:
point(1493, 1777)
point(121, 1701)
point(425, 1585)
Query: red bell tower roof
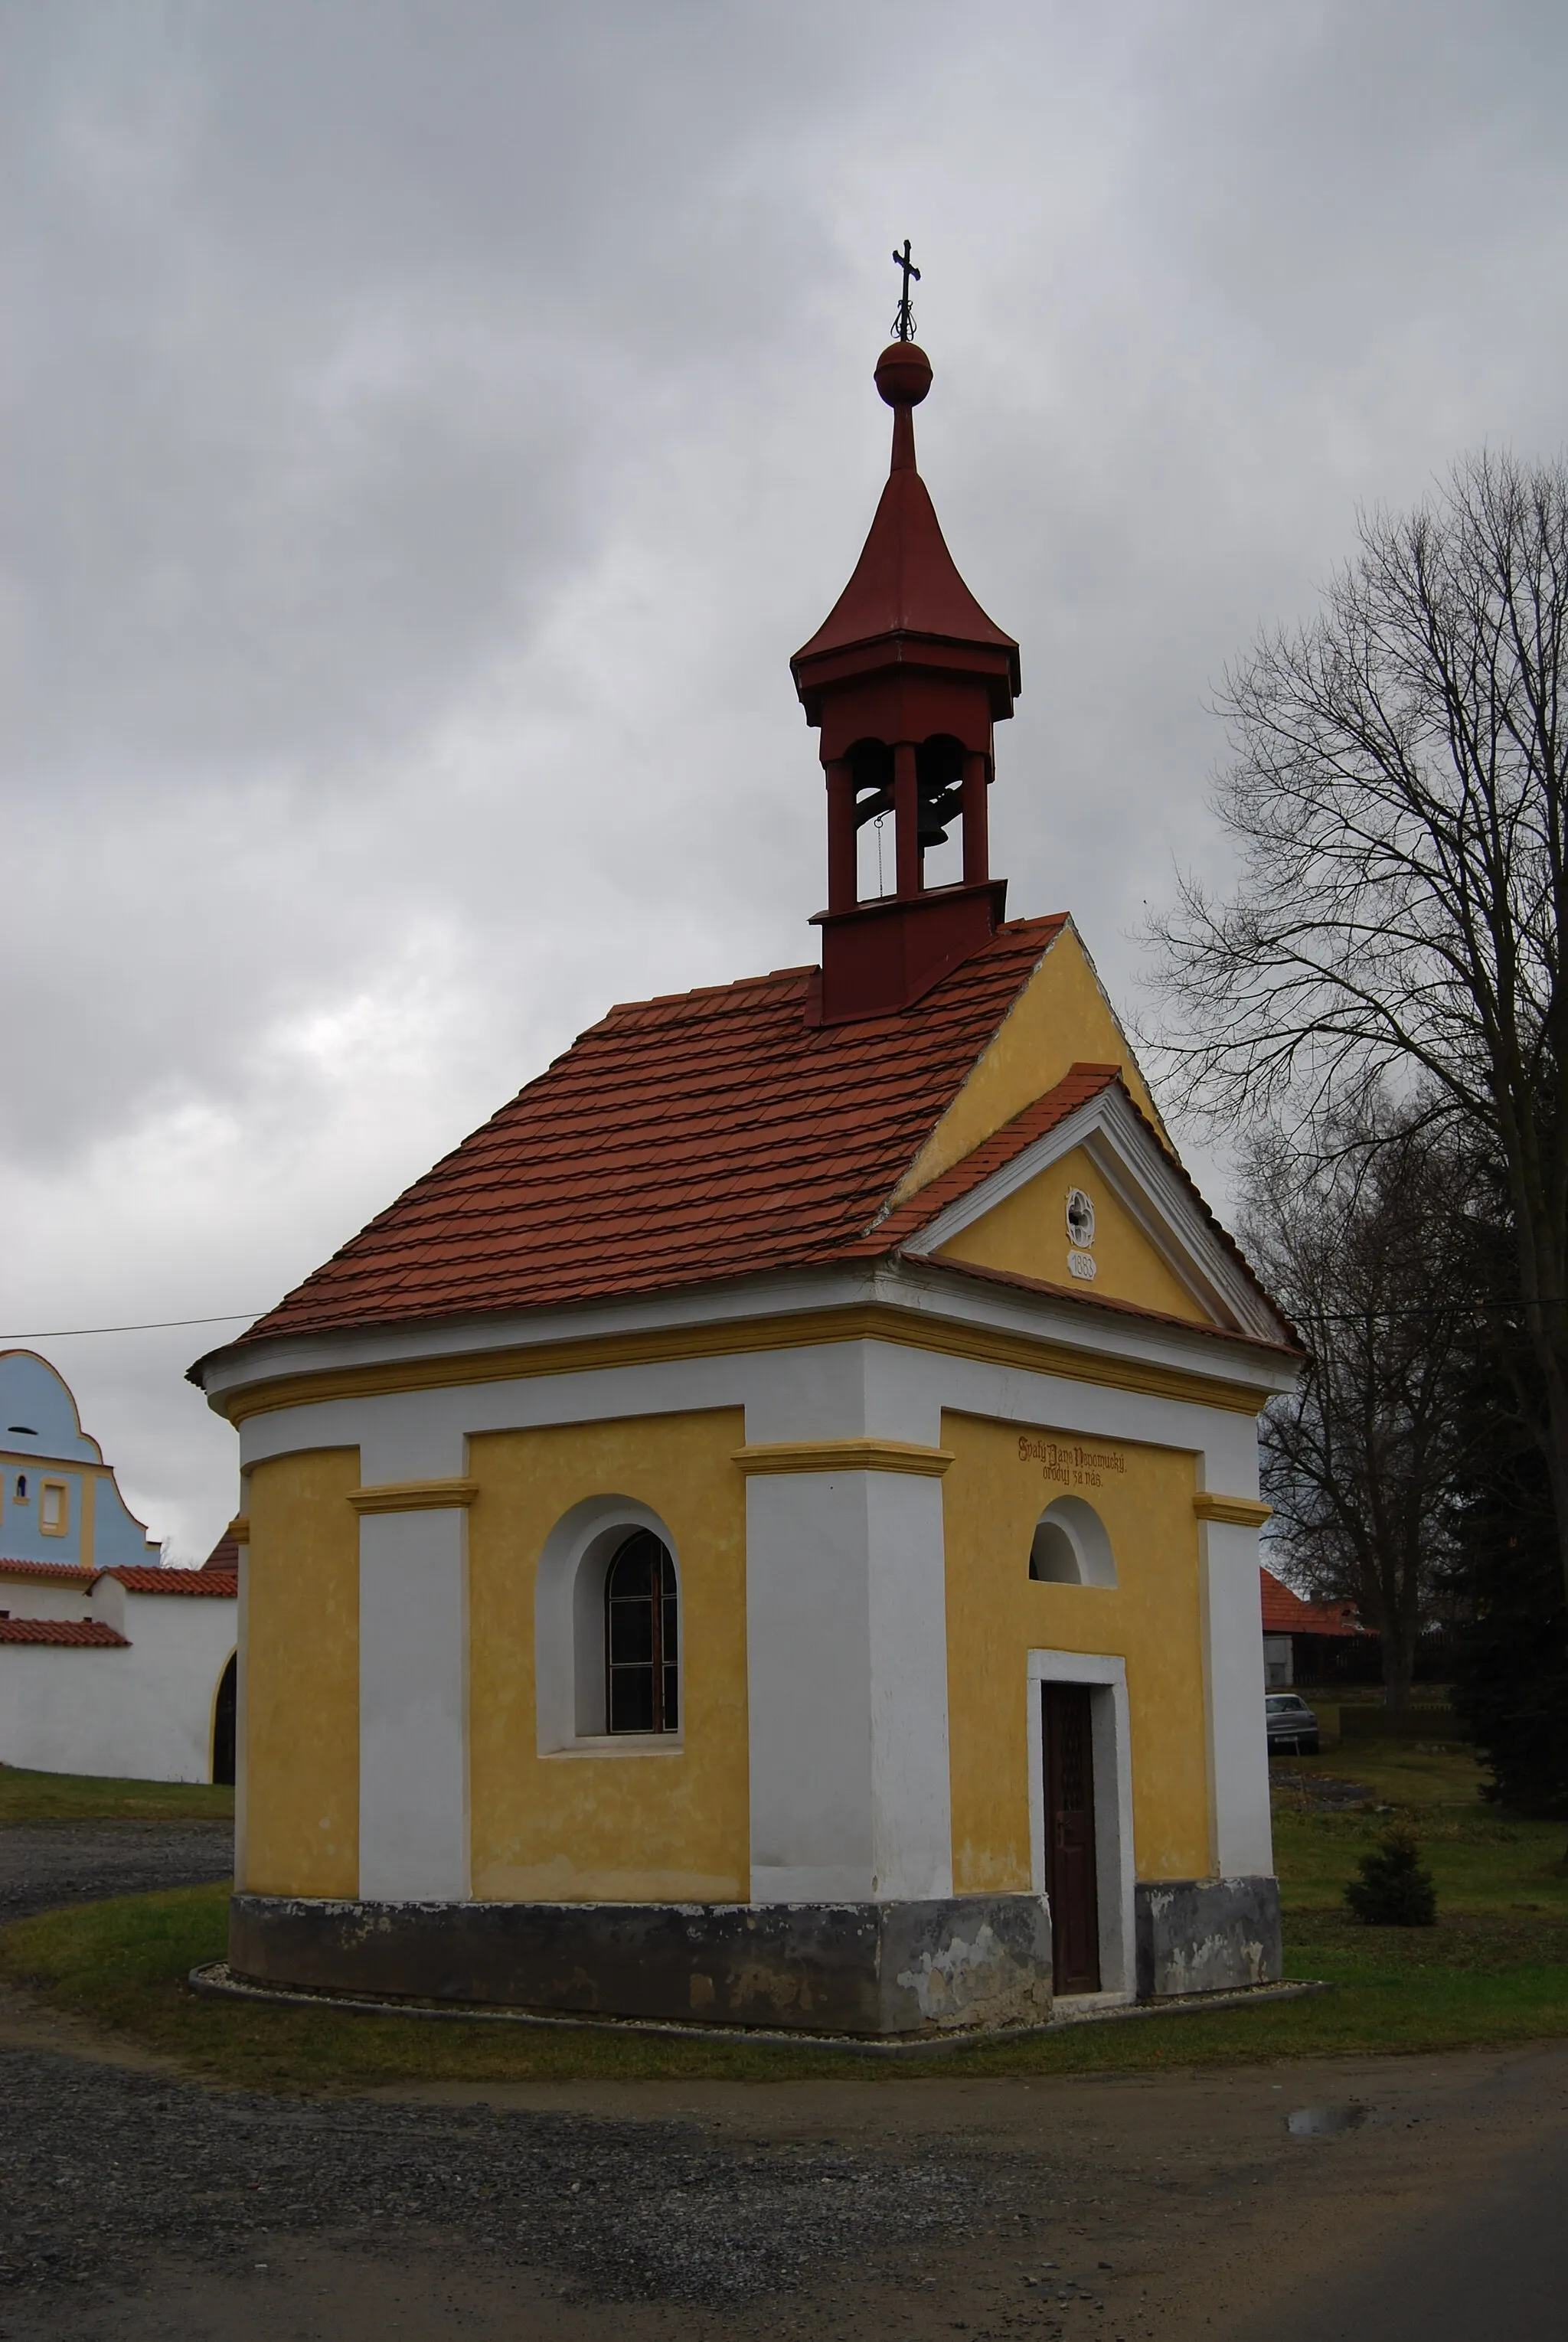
point(905, 680)
point(906, 582)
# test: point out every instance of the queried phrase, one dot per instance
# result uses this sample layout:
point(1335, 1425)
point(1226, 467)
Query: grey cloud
point(430, 427)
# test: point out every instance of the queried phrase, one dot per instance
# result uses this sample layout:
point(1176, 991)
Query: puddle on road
point(1324, 2122)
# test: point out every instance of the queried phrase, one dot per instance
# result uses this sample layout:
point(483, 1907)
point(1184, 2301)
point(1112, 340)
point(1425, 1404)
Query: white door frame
point(1110, 1726)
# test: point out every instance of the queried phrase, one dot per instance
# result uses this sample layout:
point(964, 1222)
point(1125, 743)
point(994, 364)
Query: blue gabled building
point(59, 1501)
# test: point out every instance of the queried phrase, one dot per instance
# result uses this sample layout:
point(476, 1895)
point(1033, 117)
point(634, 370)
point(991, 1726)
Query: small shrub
point(1395, 1890)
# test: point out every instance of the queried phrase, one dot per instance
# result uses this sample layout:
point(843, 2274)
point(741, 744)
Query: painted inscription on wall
point(1067, 1463)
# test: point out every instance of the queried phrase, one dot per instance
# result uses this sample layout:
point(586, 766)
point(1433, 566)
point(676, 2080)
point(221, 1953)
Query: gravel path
point(102, 2171)
point(44, 1865)
point(136, 2206)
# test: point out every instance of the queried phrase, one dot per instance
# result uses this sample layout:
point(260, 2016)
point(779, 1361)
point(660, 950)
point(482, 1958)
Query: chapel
point(765, 1532)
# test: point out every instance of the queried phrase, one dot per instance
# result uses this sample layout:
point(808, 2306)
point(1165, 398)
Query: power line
point(152, 1326)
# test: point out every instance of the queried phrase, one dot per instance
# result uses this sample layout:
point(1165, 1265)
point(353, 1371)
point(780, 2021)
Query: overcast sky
point(430, 425)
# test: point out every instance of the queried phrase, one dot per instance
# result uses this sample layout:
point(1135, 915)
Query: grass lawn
point(1495, 1970)
point(83, 1797)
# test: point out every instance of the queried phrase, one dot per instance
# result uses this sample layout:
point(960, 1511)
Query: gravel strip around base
point(216, 1981)
point(46, 1865)
point(100, 2170)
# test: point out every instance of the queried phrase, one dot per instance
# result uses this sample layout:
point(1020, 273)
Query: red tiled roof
point(707, 1134)
point(55, 1573)
point(79, 1634)
point(219, 1582)
point(1286, 1613)
point(225, 1554)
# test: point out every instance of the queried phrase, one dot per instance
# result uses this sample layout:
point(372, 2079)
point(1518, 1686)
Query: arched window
point(21, 1487)
point(1070, 1547)
point(641, 1637)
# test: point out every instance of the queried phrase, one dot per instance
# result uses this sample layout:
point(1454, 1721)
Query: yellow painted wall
point(1000, 1482)
point(659, 1826)
point(1027, 1233)
point(302, 1677)
point(1061, 1018)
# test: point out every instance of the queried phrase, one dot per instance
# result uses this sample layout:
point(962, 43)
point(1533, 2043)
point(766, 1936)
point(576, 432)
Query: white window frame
point(1110, 1725)
point(569, 1687)
point(62, 1488)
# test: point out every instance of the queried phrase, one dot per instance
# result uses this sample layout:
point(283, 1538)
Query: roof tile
point(221, 1583)
point(55, 1573)
point(78, 1633)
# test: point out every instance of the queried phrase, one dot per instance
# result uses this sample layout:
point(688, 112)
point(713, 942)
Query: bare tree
point(1399, 793)
point(1364, 1243)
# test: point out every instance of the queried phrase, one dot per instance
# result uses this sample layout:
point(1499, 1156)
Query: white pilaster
point(1242, 1833)
point(848, 1686)
point(414, 1706)
point(241, 1626)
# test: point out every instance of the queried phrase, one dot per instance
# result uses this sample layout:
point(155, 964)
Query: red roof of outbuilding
point(78, 1633)
point(221, 1583)
point(1286, 1613)
point(708, 1135)
point(56, 1572)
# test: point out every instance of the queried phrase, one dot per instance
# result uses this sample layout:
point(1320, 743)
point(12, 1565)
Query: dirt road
point(134, 2205)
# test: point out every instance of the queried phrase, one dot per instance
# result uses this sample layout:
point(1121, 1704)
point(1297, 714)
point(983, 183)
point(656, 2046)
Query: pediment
point(1153, 1244)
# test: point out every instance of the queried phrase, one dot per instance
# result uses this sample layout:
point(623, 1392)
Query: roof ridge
point(777, 975)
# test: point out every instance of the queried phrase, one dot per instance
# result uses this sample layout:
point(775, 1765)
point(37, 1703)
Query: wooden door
point(1070, 1838)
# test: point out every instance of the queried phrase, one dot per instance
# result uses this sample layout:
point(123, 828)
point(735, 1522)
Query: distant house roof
point(1286, 1613)
point(219, 1583)
point(78, 1634)
point(225, 1554)
point(52, 1573)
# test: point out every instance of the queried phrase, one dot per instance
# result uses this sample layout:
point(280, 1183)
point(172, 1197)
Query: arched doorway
point(224, 1709)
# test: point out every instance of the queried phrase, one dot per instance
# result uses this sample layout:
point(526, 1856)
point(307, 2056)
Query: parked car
point(1292, 1727)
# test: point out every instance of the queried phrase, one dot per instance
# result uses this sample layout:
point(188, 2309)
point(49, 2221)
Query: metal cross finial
point(903, 324)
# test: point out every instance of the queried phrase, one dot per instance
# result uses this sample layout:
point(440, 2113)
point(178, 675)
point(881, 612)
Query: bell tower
point(905, 680)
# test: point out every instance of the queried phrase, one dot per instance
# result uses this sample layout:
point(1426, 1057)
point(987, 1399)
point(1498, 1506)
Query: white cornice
point(736, 1299)
point(933, 1289)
